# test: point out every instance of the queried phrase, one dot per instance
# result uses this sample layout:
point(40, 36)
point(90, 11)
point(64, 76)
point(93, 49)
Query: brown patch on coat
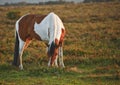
point(27, 42)
point(26, 26)
point(62, 37)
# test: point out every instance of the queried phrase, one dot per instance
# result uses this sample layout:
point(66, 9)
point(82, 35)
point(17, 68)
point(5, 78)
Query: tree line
point(88, 1)
point(39, 3)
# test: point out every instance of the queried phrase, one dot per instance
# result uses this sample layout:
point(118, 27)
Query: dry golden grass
point(91, 47)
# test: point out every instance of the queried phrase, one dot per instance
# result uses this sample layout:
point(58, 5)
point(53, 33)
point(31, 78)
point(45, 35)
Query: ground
point(91, 47)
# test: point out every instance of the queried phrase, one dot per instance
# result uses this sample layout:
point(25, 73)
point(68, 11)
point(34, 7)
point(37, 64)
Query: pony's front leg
point(21, 49)
point(61, 63)
point(56, 63)
point(49, 62)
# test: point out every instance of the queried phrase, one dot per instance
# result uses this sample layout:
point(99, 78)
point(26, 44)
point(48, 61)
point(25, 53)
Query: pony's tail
point(16, 61)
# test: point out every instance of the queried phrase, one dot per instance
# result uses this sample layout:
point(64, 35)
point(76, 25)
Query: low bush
point(13, 15)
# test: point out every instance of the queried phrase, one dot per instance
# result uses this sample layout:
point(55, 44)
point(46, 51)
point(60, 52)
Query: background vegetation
point(91, 47)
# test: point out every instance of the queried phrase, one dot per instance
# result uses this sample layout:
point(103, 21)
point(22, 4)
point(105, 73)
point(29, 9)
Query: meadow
point(91, 47)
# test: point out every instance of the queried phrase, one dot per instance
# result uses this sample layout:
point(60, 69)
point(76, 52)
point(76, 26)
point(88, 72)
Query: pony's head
point(53, 47)
point(53, 50)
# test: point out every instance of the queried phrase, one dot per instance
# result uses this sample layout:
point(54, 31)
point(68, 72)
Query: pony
point(47, 28)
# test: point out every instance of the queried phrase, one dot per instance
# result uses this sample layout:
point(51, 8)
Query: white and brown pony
point(44, 28)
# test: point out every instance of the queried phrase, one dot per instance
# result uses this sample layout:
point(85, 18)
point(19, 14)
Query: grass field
point(91, 47)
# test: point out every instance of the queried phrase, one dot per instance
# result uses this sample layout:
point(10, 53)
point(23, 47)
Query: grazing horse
point(44, 28)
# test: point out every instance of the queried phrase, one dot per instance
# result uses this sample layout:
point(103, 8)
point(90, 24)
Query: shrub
point(12, 15)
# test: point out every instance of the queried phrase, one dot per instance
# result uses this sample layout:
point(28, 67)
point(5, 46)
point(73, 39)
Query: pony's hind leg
point(23, 45)
point(27, 42)
point(21, 49)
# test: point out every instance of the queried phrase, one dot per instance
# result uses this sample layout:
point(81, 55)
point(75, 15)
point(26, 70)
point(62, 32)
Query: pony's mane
point(51, 49)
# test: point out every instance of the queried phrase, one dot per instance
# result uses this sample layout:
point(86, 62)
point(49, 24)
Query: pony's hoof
point(21, 67)
point(62, 66)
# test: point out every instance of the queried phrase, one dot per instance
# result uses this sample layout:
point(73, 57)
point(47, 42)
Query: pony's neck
point(50, 28)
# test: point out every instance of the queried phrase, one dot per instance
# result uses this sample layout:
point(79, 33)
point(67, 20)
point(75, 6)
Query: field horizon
point(91, 46)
